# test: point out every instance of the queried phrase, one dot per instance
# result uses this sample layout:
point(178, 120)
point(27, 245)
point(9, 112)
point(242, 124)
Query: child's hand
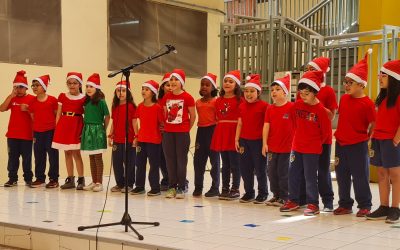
point(396, 141)
point(264, 150)
point(134, 143)
point(110, 142)
point(24, 107)
point(14, 92)
point(237, 146)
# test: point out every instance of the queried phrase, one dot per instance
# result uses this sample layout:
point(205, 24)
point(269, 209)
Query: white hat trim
point(314, 65)
point(211, 80)
point(254, 85)
point(165, 79)
point(309, 82)
point(391, 73)
point(151, 87)
point(356, 78)
point(94, 85)
point(41, 82)
point(283, 86)
point(233, 77)
point(20, 84)
point(179, 78)
point(75, 77)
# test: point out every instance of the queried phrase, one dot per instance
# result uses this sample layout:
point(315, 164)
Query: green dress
point(94, 140)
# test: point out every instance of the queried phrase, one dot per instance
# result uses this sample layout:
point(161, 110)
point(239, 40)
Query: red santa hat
point(212, 78)
point(94, 81)
point(123, 85)
point(235, 75)
point(152, 85)
point(20, 79)
point(75, 75)
point(392, 68)
point(321, 64)
point(179, 74)
point(166, 77)
point(284, 82)
point(253, 81)
point(313, 79)
point(43, 80)
point(359, 72)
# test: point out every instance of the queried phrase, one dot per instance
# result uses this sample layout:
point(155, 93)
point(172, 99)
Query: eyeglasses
point(304, 92)
point(72, 83)
point(348, 82)
point(35, 85)
point(19, 87)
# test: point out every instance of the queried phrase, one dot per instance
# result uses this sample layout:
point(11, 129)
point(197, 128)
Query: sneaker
point(81, 183)
point(69, 183)
point(180, 194)
point(234, 194)
point(224, 194)
point(342, 211)
point(28, 183)
point(328, 209)
point(138, 190)
point(153, 192)
point(163, 187)
point(97, 187)
point(271, 201)
point(363, 212)
point(52, 184)
point(393, 216)
point(260, 199)
point(10, 183)
point(213, 192)
point(89, 187)
point(171, 193)
point(197, 192)
point(311, 210)
point(278, 203)
point(246, 198)
point(186, 186)
point(37, 184)
point(130, 189)
point(289, 206)
point(380, 214)
point(116, 188)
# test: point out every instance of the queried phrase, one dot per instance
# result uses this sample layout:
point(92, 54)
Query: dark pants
point(303, 166)
point(278, 167)
point(163, 168)
point(253, 162)
point(176, 148)
point(230, 164)
point(41, 147)
point(201, 154)
point(17, 148)
point(152, 152)
point(118, 160)
point(353, 161)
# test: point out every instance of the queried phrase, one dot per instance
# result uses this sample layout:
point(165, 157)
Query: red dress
point(67, 135)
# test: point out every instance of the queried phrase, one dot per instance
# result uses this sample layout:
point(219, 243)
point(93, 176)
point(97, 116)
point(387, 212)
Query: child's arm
point(371, 129)
point(106, 122)
point(237, 135)
point(396, 139)
point(4, 105)
point(136, 130)
point(58, 115)
point(192, 114)
point(331, 113)
point(111, 136)
point(265, 139)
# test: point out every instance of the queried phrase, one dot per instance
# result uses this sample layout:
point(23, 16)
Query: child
point(385, 142)
point(356, 116)
point(248, 142)
point(69, 124)
point(94, 141)
point(150, 116)
point(223, 140)
point(312, 129)
point(19, 133)
point(116, 138)
point(180, 117)
point(43, 110)
point(278, 134)
point(206, 124)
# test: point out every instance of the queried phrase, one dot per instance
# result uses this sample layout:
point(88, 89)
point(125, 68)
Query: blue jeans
point(41, 147)
point(17, 148)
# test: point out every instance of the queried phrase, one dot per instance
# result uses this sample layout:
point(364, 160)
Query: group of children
point(288, 142)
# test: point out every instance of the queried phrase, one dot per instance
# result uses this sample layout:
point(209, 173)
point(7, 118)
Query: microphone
point(171, 48)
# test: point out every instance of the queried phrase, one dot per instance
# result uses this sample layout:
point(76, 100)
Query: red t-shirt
point(387, 121)
point(355, 115)
point(44, 113)
point(206, 113)
point(252, 116)
point(150, 118)
point(281, 129)
point(312, 127)
point(177, 118)
point(118, 117)
point(20, 123)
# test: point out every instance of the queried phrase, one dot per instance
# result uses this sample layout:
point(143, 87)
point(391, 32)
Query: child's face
point(309, 68)
point(121, 93)
point(383, 80)
point(277, 93)
point(167, 87)
point(37, 88)
point(352, 87)
point(307, 96)
point(147, 93)
point(175, 83)
point(73, 86)
point(250, 94)
point(205, 87)
point(229, 85)
point(20, 91)
point(90, 90)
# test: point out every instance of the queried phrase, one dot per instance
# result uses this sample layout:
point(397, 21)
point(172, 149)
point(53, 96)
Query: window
point(30, 32)
point(139, 28)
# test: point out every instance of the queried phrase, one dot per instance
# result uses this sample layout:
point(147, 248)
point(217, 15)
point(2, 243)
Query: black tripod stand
point(126, 218)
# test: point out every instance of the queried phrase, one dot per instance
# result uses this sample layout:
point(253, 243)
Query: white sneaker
point(98, 187)
point(89, 187)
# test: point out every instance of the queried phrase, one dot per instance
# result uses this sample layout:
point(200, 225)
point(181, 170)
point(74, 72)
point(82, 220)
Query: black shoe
point(246, 198)
point(212, 192)
point(197, 192)
point(234, 194)
point(10, 183)
point(224, 194)
point(261, 198)
point(138, 190)
point(186, 186)
point(393, 216)
point(380, 214)
point(153, 192)
point(81, 183)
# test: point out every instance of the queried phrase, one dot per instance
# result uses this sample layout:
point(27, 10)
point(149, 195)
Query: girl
point(150, 116)
point(248, 141)
point(385, 142)
point(206, 124)
point(94, 140)
point(223, 140)
point(180, 117)
point(116, 138)
point(69, 124)
point(277, 140)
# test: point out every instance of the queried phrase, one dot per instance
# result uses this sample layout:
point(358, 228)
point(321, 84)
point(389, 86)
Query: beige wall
point(84, 49)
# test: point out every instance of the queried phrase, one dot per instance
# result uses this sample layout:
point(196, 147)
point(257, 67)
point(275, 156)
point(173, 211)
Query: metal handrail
point(314, 10)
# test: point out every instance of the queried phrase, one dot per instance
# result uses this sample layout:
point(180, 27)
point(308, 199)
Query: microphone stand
point(126, 218)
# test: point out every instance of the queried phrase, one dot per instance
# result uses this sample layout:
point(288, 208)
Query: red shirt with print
point(177, 118)
point(20, 123)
